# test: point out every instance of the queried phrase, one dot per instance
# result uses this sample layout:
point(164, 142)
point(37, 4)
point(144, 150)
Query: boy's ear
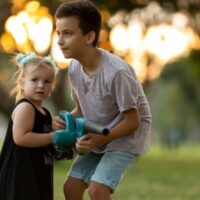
point(90, 37)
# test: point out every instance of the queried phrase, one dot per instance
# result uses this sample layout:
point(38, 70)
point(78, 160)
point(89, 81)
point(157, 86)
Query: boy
point(107, 92)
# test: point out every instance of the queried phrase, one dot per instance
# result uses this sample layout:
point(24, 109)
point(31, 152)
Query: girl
point(26, 161)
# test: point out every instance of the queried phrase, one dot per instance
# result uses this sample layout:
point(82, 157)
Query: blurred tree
point(176, 96)
point(5, 12)
point(190, 7)
point(186, 72)
point(6, 71)
point(5, 103)
point(59, 98)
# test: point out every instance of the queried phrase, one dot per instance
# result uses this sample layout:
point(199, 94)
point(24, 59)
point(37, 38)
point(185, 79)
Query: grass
point(161, 174)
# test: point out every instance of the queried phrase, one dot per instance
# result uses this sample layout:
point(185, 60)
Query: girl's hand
point(57, 123)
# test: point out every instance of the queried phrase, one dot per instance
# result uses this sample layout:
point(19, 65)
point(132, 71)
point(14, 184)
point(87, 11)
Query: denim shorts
point(107, 168)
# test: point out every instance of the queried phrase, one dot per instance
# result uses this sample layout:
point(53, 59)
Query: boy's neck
point(90, 61)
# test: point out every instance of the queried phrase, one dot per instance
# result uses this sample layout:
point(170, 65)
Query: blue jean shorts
point(107, 168)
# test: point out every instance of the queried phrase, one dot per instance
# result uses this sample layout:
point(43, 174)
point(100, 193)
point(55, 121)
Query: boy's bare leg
point(74, 189)
point(99, 191)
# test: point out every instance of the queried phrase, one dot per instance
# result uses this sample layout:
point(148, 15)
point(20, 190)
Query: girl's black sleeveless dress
point(27, 173)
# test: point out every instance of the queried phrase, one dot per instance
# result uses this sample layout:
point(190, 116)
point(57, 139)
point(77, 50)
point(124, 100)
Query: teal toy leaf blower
point(75, 127)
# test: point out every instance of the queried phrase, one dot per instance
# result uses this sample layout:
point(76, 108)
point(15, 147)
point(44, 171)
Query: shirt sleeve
point(124, 90)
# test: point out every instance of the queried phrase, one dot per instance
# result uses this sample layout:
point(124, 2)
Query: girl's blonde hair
point(24, 60)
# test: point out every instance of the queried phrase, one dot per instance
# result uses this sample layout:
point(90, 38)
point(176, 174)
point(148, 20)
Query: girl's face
point(37, 83)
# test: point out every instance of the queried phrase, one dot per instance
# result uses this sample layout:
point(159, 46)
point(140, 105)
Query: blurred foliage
point(186, 72)
point(6, 102)
point(176, 97)
point(191, 7)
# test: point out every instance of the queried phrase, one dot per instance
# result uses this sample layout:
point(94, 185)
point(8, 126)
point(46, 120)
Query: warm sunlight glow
point(17, 5)
point(147, 38)
point(127, 41)
point(166, 42)
point(104, 40)
point(15, 27)
point(23, 17)
point(150, 37)
point(57, 54)
point(154, 70)
point(31, 28)
point(42, 39)
point(138, 62)
point(119, 39)
point(32, 6)
point(7, 42)
point(180, 20)
point(135, 36)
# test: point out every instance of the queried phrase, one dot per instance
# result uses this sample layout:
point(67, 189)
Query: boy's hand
point(86, 143)
point(57, 123)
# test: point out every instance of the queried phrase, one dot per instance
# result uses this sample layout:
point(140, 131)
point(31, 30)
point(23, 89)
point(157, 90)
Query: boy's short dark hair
point(87, 13)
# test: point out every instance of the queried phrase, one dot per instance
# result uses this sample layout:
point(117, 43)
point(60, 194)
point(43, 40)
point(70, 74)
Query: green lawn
point(161, 174)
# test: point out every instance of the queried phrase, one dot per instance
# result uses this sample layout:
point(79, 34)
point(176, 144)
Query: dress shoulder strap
point(23, 100)
point(47, 113)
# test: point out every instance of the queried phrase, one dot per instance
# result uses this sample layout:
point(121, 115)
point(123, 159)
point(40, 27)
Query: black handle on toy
point(94, 128)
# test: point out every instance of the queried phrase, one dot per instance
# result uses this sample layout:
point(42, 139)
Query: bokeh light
point(144, 34)
point(57, 53)
point(30, 28)
point(151, 34)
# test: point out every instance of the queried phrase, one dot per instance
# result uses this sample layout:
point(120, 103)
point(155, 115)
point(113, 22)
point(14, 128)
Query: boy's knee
point(66, 188)
point(93, 190)
point(74, 188)
point(69, 189)
point(97, 190)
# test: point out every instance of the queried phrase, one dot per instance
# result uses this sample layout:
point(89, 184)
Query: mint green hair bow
point(22, 59)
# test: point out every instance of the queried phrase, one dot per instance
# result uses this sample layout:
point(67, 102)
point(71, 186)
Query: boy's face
point(70, 38)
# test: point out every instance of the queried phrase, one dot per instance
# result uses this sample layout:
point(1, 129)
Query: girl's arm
point(23, 120)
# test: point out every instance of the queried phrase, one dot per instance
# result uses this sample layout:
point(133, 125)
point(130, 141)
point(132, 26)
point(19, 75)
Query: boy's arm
point(77, 110)
point(126, 126)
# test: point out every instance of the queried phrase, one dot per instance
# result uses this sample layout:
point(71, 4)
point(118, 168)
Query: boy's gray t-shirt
point(103, 97)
